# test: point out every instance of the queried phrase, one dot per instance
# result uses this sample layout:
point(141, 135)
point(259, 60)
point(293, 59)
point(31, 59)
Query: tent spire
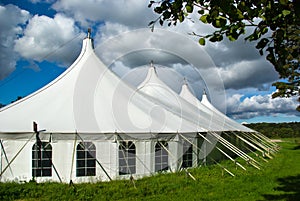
point(185, 81)
point(152, 66)
point(89, 33)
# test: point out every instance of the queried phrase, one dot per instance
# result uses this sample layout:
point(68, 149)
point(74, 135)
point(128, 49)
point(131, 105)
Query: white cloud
point(47, 38)
point(260, 105)
point(12, 19)
point(131, 13)
point(109, 30)
point(244, 74)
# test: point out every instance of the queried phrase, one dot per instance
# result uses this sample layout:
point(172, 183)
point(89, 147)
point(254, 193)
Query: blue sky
point(40, 39)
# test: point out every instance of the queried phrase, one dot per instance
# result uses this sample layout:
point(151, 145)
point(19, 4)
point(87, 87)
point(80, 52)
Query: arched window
point(85, 159)
point(127, 158)
point(161, 156)
point(187, 158)
point(42, 159)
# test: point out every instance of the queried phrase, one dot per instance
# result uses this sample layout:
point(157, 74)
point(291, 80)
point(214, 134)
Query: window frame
point(41, 159)
point(187, 157)
point(161, 158)
point(85, 159)
point(127, 157)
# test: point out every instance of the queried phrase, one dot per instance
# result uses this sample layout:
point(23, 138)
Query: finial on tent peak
point(89, 33)
point(204, 92)
point(152, 66)
point(185, 81)
point(35, 127)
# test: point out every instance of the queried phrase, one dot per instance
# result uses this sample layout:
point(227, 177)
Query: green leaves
point(202, 41)
point(286, 12)
point(203, 19)
point(262, 44)
point(189, 8)
point(219, 22)
point(276, 27)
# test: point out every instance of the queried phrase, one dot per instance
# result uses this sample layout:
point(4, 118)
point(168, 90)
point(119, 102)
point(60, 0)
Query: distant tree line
point(277, 130)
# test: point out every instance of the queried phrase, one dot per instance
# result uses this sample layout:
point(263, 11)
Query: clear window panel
point(127, 158)
point(85, 159)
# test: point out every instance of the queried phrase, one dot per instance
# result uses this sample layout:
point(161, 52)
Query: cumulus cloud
point(47, 38)
point(260, 105)
point(228, 52)
point(244, 74)
point(130, 13)
point(108, 30)
point(9, 32)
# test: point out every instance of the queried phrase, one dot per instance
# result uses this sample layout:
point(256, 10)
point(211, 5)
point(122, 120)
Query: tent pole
point(1, 157)
point(263, 141)
point(267, 140)
point(175, 160)
point(229, 146)
point(168, 152)
point(126, 161)
point(256, 141)
point(73, 155)
point(223, 152)
point(214, 159)
point(254, 146)
point(56, 172)
point(236, 151)
point(96, 160)
point(8, 165)
point(219, 150)
point(261, 144)
point(6, 158)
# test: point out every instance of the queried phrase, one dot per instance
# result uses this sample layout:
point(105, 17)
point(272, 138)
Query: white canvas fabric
point(185, 105)
point(89, 99)
point(90, 104)
point(205, 105)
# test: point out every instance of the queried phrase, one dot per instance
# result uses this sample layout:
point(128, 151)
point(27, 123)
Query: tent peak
point(185, 82)
point(89, 33)
point(204, 98)
point(89, 38)
point(153, 67)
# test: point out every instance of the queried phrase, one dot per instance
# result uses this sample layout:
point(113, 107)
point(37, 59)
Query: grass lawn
point(278, 179)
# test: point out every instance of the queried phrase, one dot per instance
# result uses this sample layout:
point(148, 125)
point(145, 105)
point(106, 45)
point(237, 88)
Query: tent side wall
point(63, 163)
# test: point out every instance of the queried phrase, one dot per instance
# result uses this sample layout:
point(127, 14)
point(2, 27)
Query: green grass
point(279, 179)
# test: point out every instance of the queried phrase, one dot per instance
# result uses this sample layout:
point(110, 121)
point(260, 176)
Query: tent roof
point(89, 98)
point(161, 94)
point(205, 105)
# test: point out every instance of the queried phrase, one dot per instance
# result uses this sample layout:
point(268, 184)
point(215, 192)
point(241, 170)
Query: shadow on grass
point(297, 147)
point(288, 189)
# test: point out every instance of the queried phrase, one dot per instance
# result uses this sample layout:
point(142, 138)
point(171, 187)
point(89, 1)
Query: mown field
point(279, 179)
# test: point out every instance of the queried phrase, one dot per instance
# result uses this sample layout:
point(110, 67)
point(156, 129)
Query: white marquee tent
point(206, 116)
point(96, 127)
